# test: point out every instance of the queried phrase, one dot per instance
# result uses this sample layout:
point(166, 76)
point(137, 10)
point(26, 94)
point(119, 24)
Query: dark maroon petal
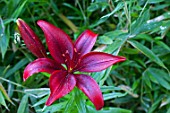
point(85, 42)
point(91, 89)
point(59, 43)
point(31, 40)
point(97, 61)
point(61, 83)
point(40, 65)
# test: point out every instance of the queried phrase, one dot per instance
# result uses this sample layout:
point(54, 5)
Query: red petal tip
point(24, 79)
point(48, 103)
point(122, 59)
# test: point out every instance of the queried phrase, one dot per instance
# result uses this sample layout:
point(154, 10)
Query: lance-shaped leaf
point(97, 61)
point(31, 40)
point(91, 89)
point(40, 65)
point(61, 83)
point(59, 43)
point(85, 42)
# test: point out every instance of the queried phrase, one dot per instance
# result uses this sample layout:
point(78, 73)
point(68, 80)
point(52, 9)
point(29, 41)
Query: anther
point(67, 52)
point(65, 60)
point(75, 50)
point(63, 55)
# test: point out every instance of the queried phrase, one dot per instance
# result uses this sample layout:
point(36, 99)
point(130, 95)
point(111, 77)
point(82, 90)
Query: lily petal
point(40, 65)
point(31, 40)
point(59, 43)
point(61, 84)
point(85, 42)
point(97, 61)
point(91, 89)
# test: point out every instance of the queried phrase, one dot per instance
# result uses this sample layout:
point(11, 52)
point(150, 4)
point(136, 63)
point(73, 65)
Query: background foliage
point(136, 29)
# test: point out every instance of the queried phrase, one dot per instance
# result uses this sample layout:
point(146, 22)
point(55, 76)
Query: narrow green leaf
point(117, 44)
point(37, 93)
point(69, 105)
point(155, 1)
point(158, 76)
point(18, 10)
point(146, 79)
point(79, 101)
point(104, 40)
point(17, 66)
point(113, 95)
point(155, 105)
point(53, 108)
point(119, 6)
point(147, 52)
point(163, 45)
point(109, 88)
point(2, 100)
point(42, 101)
point(3, 39)
point(168, 111)
point(109, 110)
point(23, 104)
point(136, 26)
point(5, 94)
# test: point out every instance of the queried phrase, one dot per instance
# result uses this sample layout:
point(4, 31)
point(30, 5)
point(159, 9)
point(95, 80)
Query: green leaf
point(146, 79)
point(163, 45)
point(119, 6)
point(117, 44)
point(3, 39)
point(113, 95)
point(69, 105)
point(5, 94)
point(42, 101)
point(168, 111)
point(53, 108)
point(18, 10)
point(114, 34)
point(155, 1)
point(155, 105)
point(2, 100)
point(109, 88)
point(136, 26)
point(17, 66)
point(147, 52)
point(98, 22)
point(23, 104)
point(109, 110)
point(104, 40)
point(95, 6)
point(158, 76)
point(37, 93)
point(80, 102)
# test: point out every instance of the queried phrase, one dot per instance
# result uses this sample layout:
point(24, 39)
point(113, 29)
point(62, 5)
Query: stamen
point(63, 55)
point(75, 50)
point(67, 52)
point(66, 60)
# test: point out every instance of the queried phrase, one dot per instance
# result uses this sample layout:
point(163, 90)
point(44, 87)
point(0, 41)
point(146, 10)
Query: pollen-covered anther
point(63, 55)
point(66, 60)
point(75, 50)
point(67, 52)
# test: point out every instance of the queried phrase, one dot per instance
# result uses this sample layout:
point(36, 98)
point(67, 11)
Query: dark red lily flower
point(76, 57)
